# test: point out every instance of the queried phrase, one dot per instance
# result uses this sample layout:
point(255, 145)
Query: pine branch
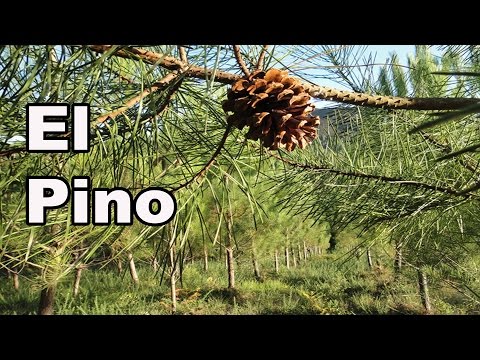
point(446, 149)
point(209, 163)
point(386, 179)
point(320, 92)
point(240, 62)
point(183, 54)
point(159, 85)
point(261, 58)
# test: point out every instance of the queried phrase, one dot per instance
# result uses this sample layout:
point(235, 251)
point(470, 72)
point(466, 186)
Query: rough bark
point(47, 300)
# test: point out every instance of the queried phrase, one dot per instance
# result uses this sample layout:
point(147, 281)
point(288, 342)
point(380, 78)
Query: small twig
point(168, 97)
point(386, 179)
point(261, 58)
point(161, 84)
point(240, 62)
point(209, 163)
point(183, 54)
point(446, 148)
point(9, 152)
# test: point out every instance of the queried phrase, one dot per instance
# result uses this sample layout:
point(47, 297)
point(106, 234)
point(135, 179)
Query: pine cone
point(276, 109)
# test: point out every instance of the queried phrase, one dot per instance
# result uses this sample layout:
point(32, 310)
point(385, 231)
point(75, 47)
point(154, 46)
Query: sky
point(383, 52)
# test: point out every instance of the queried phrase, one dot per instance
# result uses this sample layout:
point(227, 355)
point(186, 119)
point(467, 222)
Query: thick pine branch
point(320, 92)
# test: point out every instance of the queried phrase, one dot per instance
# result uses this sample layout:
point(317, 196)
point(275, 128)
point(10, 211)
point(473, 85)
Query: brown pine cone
point(276, 109)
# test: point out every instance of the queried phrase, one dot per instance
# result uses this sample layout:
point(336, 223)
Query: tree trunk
point(398, 262)
point(155, 263)
point(294, 258)
point(305, 251)
point(423, 290)
point(119, 266)
point(287, 257)
point(300, 253)
point(229, 251)
point(16, 281)
point(173, 274)
point(76, 283)
point(133, 269)
point(369, 258)
point(333, 241)
point(205, 258)
point(256, 268)
point(277, 267)
point(231, 269)
point(47, 295)
point(47, 300)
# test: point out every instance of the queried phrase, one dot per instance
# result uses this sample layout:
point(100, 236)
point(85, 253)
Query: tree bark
point(398, 261)
point(256, 268)
point(76, 283)
point(277, 267)
point(287, 257)
point(231, 269)
point(47, 300)
point(333, 241)
point(294, 258)
point(229, 251)
point(369, 258)
point(119, 266)
point(16, 281)
point(47, 295)
point(423, 290)
point(305, 251)
point(173, 274)
point(132, 268)
point(155, 263)
point(300, 253)
point(205, 258)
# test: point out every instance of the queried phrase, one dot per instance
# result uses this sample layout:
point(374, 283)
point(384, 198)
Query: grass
point(321, 286)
